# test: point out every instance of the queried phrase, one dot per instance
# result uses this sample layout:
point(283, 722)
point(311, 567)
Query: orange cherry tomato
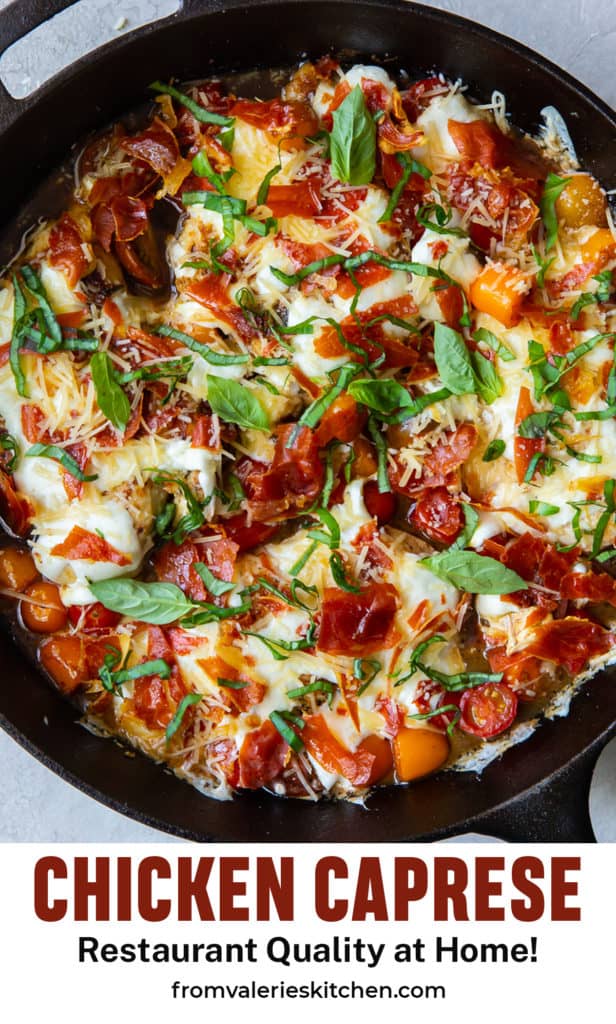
point(17, 568)
point(49, 615)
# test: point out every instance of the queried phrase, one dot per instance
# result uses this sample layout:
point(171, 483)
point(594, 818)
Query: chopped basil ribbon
point(312, 415)
point(278, 647)
point(330, 535)
point(547, 205)
point(232, 684)
point(476, 574)
point(231, 209)
point(409, 166)
point(444, 709)
point(318, 686)
point(264, 187)
point(187, 701)
point(451, 683)
point(442, 217)
point(490, 339)
point(297, 567)
point(52, 451)
point(295, 742)
point(543, 264)
point(542, 508)
point(235, 403)
point(365, 675)
point(214, 584)
point(538, 424)
point(194, 517)
point(9, 444)
point(494, 450)
point(35, 287)
point(209, 354)
point(353, 141)
point(602, 294)
point(338, 570)
point(604, 518)
point(113, 680)
point(112, 400)
point(380, 444)
point(158, 603)
point(201, 114)
point(17, 337)
point(293, 600)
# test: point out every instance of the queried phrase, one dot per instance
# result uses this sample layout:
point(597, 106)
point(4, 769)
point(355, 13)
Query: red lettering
point(326, 909)
point(275, 888)
point(149, 909)
point(98, 887)
point(446, 889)
point(485, 887)
point(369, 892)
point(45, 908)
point(561, 888)
point(522, 870)
point(194, 887)
point(230, 887)
point(405, 893)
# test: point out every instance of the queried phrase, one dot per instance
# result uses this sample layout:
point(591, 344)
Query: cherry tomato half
point(487, 710)
point(380, 505)
point(94, 618)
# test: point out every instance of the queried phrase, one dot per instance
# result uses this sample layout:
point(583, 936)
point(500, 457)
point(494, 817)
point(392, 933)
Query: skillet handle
point(19, 18)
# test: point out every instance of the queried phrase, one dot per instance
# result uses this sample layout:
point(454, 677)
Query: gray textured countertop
point(579, 35)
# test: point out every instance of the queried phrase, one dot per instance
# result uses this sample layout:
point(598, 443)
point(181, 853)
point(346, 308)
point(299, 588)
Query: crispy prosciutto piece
point(247, 535)
point(358, 624)
point(212, 291)
point(89, 547)
point(293, 119)
point(300, 199)
point(155, 699)
point(419, 95)
point(157, 145)
point(570, 642)
point(174, 563)
point(263, 754)
point(206, 433)
point(66, 249)
point(483, 143)
point(290, 483)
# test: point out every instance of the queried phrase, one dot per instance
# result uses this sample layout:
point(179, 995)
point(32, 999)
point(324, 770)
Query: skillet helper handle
point(17, 20)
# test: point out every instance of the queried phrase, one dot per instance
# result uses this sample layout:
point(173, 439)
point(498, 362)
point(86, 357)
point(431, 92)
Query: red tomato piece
point(570, 642)
point(487, 710)
point(81, 544)
point(263, 754)
point(358, 624)
point(520, 670)
point(451, 452)
point(247, 536)
point(380, 505)
point(93, 618)
point(437, 515)
point(174, 563)
point(15, 510)
point(419, 95)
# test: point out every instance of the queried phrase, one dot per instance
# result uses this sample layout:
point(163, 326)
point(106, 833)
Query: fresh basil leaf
point(201, 114)
point(547, 205)
point(490, 339)
point(330, 535)
point(112, 400)
point(494, 450)
point(17, 337)
point(602, 294)
point(156, 603)
point(35, 287)
point(187, 701)
point(235, 403)
point(453, 361)
point(203, 169)
point(353, 141)
point(476, 574)
point(537, 424)
point(489, 384)
point(385, 396)
point(543, 264)
point(52, 451)
point(214, 584)
point(382, 476)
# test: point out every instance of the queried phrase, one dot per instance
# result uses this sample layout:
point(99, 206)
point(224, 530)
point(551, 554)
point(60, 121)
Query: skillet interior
point(204, 40)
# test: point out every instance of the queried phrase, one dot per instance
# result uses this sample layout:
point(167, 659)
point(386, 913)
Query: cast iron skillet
point(536, 791)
